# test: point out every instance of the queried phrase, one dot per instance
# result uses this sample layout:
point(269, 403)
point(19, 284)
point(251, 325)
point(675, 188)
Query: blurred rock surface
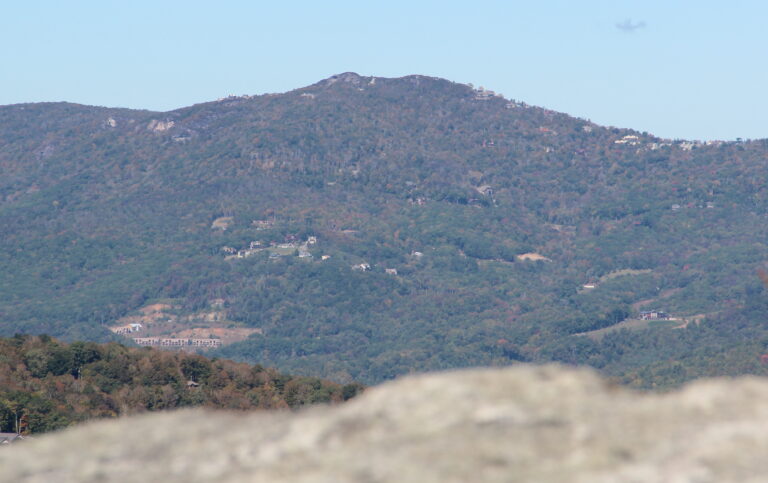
point(524, 423)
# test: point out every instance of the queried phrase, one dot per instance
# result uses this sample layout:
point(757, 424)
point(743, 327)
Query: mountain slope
point(449, 194)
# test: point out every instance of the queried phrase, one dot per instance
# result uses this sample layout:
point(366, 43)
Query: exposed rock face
point(518, 424)
point(160, 126)
point(348, 77)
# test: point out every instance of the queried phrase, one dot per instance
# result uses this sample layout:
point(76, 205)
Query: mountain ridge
point(353, 78)
point(357, 80)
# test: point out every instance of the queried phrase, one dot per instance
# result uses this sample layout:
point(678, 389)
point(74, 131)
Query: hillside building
point(653, 315)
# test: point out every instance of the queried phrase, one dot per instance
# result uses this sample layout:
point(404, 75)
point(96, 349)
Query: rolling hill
point(48, 385)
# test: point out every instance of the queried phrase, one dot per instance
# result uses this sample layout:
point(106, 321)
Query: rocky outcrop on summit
point(516, 424)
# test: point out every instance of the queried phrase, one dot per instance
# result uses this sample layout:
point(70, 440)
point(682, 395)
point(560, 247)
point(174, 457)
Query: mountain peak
point(355, 79)
point(346, 77)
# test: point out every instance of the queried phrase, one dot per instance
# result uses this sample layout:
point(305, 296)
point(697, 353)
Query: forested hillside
point(46, 385)
point(363, 227)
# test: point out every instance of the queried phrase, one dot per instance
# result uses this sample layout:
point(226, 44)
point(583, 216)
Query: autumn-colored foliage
point(46, 384)
point(763, 276)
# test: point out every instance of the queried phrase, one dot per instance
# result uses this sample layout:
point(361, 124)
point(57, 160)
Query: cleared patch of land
point(630, 324)
point(162, 321)
point(663, 295)
point(533, 257)
point(684, 322)
point(625, 271)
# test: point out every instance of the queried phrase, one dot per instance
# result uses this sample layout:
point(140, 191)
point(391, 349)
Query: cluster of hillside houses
point(127, 329)
point(483, 94)
point(257, 246)
point(653, 315)
point(366, 267)
point(165, 341)
point(630, 139)
point(180, 343)
point(709, 205)
point(634, 140)
point(290, 244)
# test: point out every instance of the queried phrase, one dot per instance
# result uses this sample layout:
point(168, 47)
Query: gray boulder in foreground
point(517, 424)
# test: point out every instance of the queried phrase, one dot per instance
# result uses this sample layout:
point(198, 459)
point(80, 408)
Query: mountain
point(47, 385)
point(365, 227)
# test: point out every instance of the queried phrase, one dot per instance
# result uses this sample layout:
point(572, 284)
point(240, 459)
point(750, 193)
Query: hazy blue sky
point(679, 69)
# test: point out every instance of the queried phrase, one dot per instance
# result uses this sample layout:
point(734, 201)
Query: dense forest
point(451, 227)
point(47, 385)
